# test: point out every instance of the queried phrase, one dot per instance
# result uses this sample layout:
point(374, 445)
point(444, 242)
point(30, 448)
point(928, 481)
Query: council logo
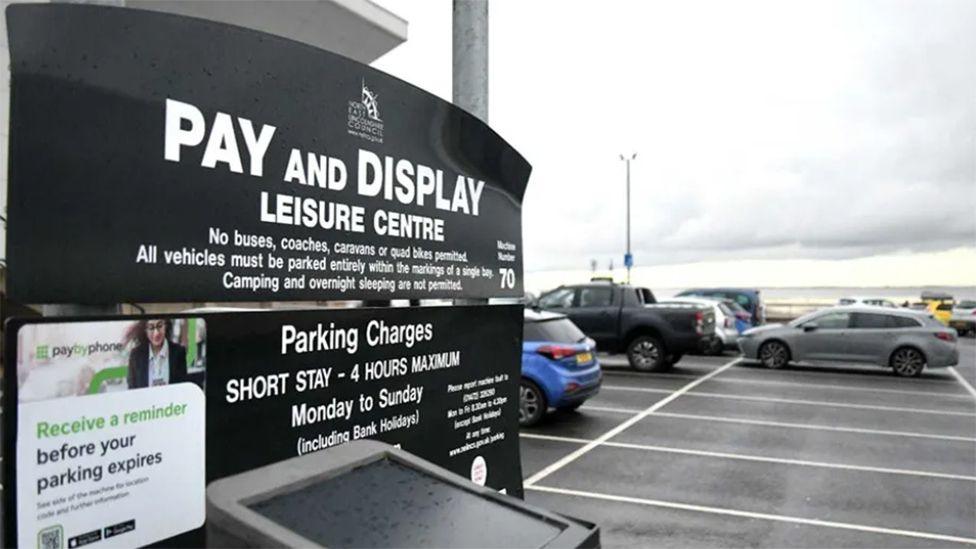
point(364, 116)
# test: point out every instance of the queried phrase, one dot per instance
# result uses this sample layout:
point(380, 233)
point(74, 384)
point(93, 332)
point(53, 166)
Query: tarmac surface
point(721, 452)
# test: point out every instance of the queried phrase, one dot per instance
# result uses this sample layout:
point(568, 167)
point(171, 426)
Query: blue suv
point(559, 366)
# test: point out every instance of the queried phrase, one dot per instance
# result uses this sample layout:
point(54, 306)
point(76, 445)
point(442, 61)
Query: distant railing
point(782, 311)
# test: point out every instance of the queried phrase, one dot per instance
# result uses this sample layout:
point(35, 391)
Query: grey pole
point(628, 219)
point(627, 160)
point(469, 65)
point(470, 57)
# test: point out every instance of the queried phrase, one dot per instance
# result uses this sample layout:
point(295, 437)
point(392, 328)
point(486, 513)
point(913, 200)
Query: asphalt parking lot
point(724, 453)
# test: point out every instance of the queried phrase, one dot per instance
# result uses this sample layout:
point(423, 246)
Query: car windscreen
point(557, 330)
point(966, 304)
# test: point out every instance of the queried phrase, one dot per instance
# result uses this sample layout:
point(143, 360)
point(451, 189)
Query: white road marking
point(746, 381)
point(795, 401)
point(754, 515)
point(753, 457)
point(962, 380)
point(880, 375)
point(614, 373)
point(814, 427)
point(620, 428)
point(635, 389)
point(611, 410)
point(817, 427)
point(834, 404)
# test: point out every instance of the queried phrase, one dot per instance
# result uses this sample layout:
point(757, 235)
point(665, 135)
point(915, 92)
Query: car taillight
point(556, 352)
point(728, 322)
point(945, 336)
point(699, 323)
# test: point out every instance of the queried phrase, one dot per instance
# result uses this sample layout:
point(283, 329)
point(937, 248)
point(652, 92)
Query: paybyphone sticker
point(120, 468)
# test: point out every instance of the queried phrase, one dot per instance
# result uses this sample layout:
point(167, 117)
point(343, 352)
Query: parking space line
point(635, 389)
point(817, 427)
point(611, 410)
point(814, 427)
point(746, 381)
point(648, 375)
point(753, 515)
point(847, 373)
point(796, 401)
point(762, 459)
point(834, 404)
point(969, 388)
point(555, 438)
point(620, 428)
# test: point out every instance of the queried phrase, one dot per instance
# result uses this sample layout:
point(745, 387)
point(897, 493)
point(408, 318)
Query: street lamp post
point(628, 258)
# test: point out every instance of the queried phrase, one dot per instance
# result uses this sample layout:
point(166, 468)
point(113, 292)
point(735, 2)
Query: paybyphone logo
point(50, 352)
point(364, 116)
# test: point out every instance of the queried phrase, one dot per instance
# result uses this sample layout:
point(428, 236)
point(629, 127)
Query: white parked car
point(964, 317)
point(726, 334)
point(862, 300)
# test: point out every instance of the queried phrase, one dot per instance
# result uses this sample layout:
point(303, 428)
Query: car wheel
point(907, 362)
point(646, 354)
point(774, 355)
point(532, 403)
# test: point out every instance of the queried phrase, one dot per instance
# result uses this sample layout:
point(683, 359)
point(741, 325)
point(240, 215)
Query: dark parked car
point(624, 318)
point(749, 299)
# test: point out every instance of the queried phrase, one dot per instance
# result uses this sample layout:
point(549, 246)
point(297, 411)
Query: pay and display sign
point(215, 163)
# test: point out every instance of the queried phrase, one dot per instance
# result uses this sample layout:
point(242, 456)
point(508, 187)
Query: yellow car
point(939, 305)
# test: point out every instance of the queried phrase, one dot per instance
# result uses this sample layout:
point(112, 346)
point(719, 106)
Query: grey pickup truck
point(624, 318)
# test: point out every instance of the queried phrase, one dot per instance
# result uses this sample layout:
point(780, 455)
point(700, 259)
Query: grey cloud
point(898, 174)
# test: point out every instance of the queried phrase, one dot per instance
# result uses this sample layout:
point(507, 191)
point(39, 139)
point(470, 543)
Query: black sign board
point(105, 436)
point(158, 158)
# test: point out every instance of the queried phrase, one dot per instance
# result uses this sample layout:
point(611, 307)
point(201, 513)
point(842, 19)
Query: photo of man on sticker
point(156, 360)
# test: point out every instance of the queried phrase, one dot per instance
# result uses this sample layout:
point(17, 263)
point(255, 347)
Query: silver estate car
point(904, 340)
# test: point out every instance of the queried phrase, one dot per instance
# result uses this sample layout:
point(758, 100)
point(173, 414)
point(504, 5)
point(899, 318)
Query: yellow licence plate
point(583, 358)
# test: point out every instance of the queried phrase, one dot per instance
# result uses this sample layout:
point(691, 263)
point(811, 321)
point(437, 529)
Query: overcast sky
point(764, 130)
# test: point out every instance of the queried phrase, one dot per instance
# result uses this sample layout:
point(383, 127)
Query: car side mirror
point(810, 327)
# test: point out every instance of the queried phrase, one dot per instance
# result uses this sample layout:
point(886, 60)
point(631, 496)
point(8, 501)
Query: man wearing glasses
point(156, 360)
